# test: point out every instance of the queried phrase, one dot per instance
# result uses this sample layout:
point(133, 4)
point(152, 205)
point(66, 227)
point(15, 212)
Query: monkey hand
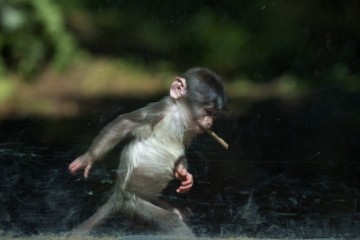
point(186, 179)
point(83, 162)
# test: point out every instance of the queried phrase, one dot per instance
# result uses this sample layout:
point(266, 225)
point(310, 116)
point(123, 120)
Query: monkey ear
point(178, 88)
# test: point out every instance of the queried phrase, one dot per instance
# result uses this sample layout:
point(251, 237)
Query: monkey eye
point(211, 112)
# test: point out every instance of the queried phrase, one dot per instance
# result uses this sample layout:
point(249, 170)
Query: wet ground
point(292, 171)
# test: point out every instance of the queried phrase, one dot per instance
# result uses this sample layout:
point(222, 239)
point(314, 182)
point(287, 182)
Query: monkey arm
point(122, 127)
point(126, 125)
point(184, 176)
point(112, 134)
point(106, 140)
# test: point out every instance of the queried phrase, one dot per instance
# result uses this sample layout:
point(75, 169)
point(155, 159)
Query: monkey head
point(203, 92)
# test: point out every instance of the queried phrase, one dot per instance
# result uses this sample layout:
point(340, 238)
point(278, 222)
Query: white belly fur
point(150, 161)
point(151, 152)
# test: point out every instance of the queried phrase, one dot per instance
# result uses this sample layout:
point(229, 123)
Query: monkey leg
point(167, 221)
point(129, 204)
point(183, 212)
point(94, 220)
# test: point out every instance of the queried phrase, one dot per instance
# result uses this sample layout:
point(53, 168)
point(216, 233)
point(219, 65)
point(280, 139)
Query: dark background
point(292, 75)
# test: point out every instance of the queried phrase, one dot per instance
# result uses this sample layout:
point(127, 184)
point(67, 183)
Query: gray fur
point(159, 133)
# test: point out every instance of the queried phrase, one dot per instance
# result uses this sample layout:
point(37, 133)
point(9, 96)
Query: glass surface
point(291, 72)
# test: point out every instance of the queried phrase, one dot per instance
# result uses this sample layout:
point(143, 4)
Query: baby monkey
point(157, 134)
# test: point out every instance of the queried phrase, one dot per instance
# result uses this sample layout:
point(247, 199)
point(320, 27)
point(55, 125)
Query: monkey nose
point(210, 123)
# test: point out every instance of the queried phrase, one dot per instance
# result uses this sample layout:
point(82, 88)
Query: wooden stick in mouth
point(218, 139)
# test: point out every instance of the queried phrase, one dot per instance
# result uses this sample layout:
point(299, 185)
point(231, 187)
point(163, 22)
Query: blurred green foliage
point(316, 41)
point(33, 33)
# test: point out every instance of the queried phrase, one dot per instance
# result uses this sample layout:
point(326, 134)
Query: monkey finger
point(76, 165)
point(87, 170)
point(187, 182)
point(184, 189)
point(189, 186)
point(186, 185)
point(188, 179)
point(73, 167)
